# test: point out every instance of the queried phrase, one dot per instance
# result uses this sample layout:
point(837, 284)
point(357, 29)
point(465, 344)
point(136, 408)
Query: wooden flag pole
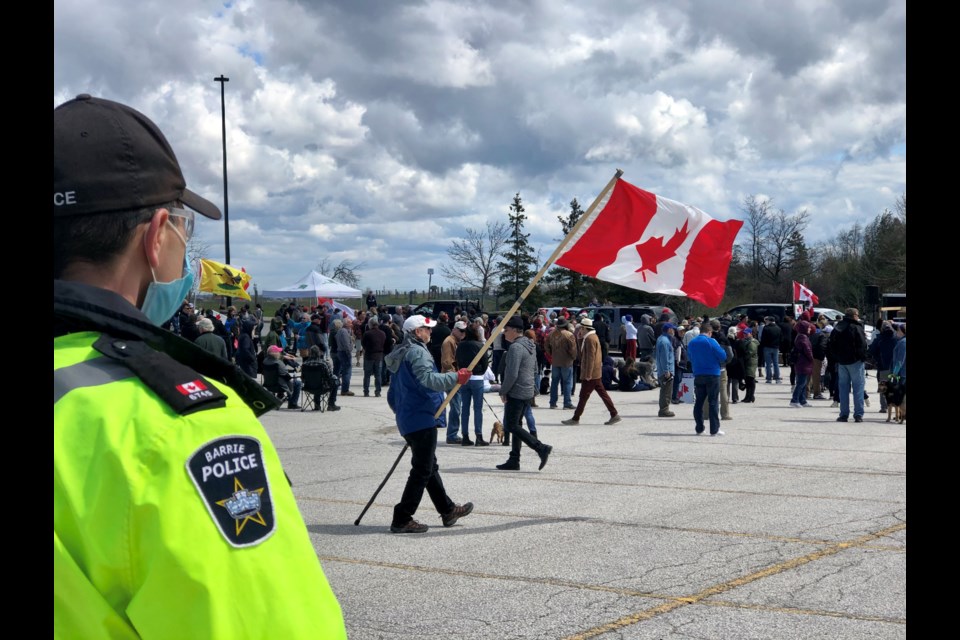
point(543, 270)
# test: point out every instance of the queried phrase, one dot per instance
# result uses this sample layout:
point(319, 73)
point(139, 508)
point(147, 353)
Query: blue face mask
point(163, 299)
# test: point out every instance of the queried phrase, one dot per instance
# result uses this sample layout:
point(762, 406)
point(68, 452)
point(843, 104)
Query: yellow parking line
point(646, 614)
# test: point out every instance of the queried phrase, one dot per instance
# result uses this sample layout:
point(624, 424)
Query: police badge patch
point(230, 476)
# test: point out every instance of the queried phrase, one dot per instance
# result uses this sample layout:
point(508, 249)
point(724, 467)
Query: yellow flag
point(224, 280)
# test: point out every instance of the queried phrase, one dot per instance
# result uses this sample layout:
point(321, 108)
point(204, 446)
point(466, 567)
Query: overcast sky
point(379, 131)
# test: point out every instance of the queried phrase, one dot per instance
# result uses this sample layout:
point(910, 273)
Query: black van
point(432, 308)
point(759, 311)
point(614, 314)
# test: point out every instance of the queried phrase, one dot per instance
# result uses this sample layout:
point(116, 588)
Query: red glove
point(463, 376)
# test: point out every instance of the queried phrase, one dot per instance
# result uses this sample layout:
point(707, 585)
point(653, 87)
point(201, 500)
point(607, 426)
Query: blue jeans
point(471, 393)
point(771, 361)
point(453, 418)
point(800, 389)
point(346, 370)
point(847, 374)
point(706, 389)
point(562, 375)
point(371, 368)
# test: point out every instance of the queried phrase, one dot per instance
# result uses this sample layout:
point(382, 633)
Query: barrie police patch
point(230, 476)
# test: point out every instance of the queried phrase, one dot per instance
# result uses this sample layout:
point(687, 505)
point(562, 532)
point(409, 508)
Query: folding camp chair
point(318, 382)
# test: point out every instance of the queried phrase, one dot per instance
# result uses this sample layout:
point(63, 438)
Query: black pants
point(424, 474)
point(512, 413)
point(751, 388)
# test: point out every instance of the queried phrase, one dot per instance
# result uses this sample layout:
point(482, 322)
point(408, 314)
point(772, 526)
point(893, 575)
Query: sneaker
point(806, 405)
point(858, 418)
point(332, 407)
point(834, 405)
point(571, 421)
point(795, 405)
point(293, 406)
point(666, 414)
point(509, 465)
point(481, 442)
point(411, 527)
point(454, 440)
point(553, 406)
point(378, 394)
point(466, 442)
point(718, 433)
point(842, 419)
point(347, 393)
point(883, 410)
point(819, 396)
point(459, 511)
point(779, 381)
point(771, 381)
point(698, 433)
point(569, 407)
point(866, 401)
point(726, 418)
point(614, 419)
point(544, 453)
point(366, 394)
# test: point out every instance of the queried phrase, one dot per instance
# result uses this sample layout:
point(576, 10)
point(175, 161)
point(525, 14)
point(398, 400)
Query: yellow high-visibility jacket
point(172, 516)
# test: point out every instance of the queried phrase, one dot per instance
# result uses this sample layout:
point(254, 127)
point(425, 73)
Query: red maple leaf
point(653, 251)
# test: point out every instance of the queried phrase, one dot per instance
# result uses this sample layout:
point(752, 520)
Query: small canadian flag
point(191, 387)
point(801, 293)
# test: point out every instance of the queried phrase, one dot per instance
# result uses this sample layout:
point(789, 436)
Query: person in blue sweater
point(416, 393)
point(707, 356)
point(665, 366)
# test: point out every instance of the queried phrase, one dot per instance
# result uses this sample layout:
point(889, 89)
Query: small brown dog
point(896, 397)
point(497, 433)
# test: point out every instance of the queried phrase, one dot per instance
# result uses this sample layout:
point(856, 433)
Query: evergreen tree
point(519, 264)
point(570, 287)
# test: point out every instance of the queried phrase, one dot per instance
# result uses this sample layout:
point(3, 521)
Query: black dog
point(895, 394)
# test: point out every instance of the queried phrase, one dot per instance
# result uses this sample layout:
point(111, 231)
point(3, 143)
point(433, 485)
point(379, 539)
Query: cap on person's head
point(413, 323)
point(515, 322)
point(460, 325)
point(109, 157)
point(562, 323)
point(667, 326)
point(274, 349)
point(586, 322)
point(748, 331)
point(628, 318)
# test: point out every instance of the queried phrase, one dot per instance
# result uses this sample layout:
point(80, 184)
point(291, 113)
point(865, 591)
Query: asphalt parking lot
point(792, 525)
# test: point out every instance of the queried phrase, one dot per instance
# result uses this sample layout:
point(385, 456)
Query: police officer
point(171, 514)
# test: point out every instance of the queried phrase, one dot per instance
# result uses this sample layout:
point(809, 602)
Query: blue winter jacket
point(707, 356)
point(416, 387)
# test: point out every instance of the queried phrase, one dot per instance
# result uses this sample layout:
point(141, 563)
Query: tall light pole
point(429, 283)
point(226, 208)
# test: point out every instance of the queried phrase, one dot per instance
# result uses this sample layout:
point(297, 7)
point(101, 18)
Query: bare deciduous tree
point(347, 272)
point(473, 259)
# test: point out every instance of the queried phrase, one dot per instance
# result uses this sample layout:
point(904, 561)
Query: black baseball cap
point(109, 157)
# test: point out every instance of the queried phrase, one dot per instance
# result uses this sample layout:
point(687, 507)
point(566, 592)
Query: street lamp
point(226, 209)
point(429, 283)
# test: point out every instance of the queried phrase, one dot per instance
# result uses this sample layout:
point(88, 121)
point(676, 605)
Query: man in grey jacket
point(517, 391)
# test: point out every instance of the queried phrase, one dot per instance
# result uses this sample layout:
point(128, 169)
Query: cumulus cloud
point(378, 132)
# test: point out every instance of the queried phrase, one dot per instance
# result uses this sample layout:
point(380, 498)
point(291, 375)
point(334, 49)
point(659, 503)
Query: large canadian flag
point(644, 241)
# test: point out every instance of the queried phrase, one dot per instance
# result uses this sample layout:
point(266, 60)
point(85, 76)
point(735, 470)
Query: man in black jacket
point(848, 348)
point(770, 338)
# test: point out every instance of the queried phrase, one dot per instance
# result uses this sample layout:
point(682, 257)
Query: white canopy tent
point(314, 285)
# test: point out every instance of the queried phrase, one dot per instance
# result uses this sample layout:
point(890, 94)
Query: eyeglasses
point(188, 219)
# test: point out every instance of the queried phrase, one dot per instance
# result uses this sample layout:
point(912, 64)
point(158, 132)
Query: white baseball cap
point(413, 323)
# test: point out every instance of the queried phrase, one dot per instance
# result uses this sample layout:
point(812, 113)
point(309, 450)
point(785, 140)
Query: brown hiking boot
point(411, 527)
point(459, 511)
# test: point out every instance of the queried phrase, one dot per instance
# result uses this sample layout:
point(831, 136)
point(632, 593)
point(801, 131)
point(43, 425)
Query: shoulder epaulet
point(185, 390)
